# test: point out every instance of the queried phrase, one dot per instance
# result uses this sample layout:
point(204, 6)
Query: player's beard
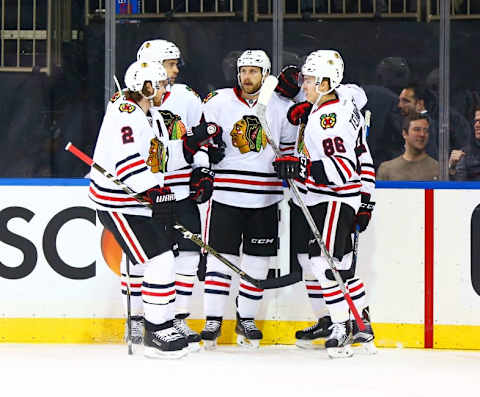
point(252, 89)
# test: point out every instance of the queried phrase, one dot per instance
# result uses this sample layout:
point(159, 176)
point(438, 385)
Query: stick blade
point(266, 92)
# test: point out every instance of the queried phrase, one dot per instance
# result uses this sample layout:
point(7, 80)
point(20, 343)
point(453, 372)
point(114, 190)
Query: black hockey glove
point(201, 184)
point(163, 204)
point(298, 113)
point(200, 136)
point(364, 213)
point(288, 82)
point(216, 152)
point(290, 167)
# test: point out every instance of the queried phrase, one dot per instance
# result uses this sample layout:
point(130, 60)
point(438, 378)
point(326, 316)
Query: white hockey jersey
point(335, 135)
point(136, 149)
point(245, 177)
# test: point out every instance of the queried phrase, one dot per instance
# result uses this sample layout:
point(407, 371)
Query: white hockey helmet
point(329, 54)
point(328, 64)
point(254, 58)
point(158, 51)
point(140, 72)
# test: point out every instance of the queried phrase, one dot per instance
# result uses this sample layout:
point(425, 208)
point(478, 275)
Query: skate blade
point(367, 348)
point(210, 344)
point(310, 344)
point(247, 343)
point(152, 352)
point(340, 352)
point(194, 347)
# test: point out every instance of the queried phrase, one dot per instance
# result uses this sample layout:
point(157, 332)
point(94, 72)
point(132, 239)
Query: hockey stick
point(129, 308)
point(262, 284)
point(266, 93)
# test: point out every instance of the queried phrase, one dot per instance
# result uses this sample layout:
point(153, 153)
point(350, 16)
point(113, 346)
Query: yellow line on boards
point(111, 330)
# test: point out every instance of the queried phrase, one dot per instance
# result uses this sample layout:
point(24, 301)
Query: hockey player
point(332, 164)
point(298, 115)
point(133, 144)
point(245, 200)
point(180, 108)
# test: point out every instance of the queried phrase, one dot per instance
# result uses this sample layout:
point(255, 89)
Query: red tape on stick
point(76, 152)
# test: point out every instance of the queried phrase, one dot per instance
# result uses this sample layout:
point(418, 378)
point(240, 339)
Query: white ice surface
point(107, 370)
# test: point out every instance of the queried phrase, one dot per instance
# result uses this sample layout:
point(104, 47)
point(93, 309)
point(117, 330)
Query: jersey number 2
point(127, 135)
point(330, 146)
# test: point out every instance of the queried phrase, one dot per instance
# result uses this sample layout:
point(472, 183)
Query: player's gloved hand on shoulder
point(288, 82)
point(163, 204)
point(200, 136)
point(291, 167)
point(298, 113)
point(201, 184)
point(216, 152)
point(364, 213)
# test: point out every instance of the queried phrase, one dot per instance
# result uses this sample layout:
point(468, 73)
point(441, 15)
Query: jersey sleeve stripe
point(131, 165)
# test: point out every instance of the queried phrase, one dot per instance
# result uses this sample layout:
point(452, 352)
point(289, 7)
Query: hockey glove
point(298, 113)
point(201, 135)
point(290, 167)
point(364, 213)
point(163, 204)
point(288, 82)
point(201, 184)
point(216, 152)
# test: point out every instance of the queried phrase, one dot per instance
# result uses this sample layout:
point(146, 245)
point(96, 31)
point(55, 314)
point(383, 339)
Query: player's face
point(417, 136)
point(171, 67)
point(250, 79)
point(407, 102)
point(476, 124)
point(309, 86)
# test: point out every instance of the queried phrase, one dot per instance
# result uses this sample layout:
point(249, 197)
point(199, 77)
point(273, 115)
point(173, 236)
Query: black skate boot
point(193, 338)
point(364, 338)
point(164, 343)
point(211, 332)
point(307, 336)
point(338, 344)
point(248, 334)
point(137, 330)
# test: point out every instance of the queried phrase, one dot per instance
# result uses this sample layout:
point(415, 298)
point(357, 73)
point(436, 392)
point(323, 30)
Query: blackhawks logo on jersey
point(248, 135)
point(156, 156)
point(175, 127)
point(127, 107)
point(328, 120)
point(210, 96)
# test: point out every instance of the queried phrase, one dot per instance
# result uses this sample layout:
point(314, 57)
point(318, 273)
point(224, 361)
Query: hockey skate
point(193, 338)
point(137, 330)
point(248, 335)
point(364, 338)
point(211, 332)
point(319, 331)
point(338, 345)
point(166, 343)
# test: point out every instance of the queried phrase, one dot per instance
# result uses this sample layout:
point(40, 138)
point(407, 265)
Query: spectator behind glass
point(464, 164)
point(385, 142)
point(414, 164)
point(416, 98)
